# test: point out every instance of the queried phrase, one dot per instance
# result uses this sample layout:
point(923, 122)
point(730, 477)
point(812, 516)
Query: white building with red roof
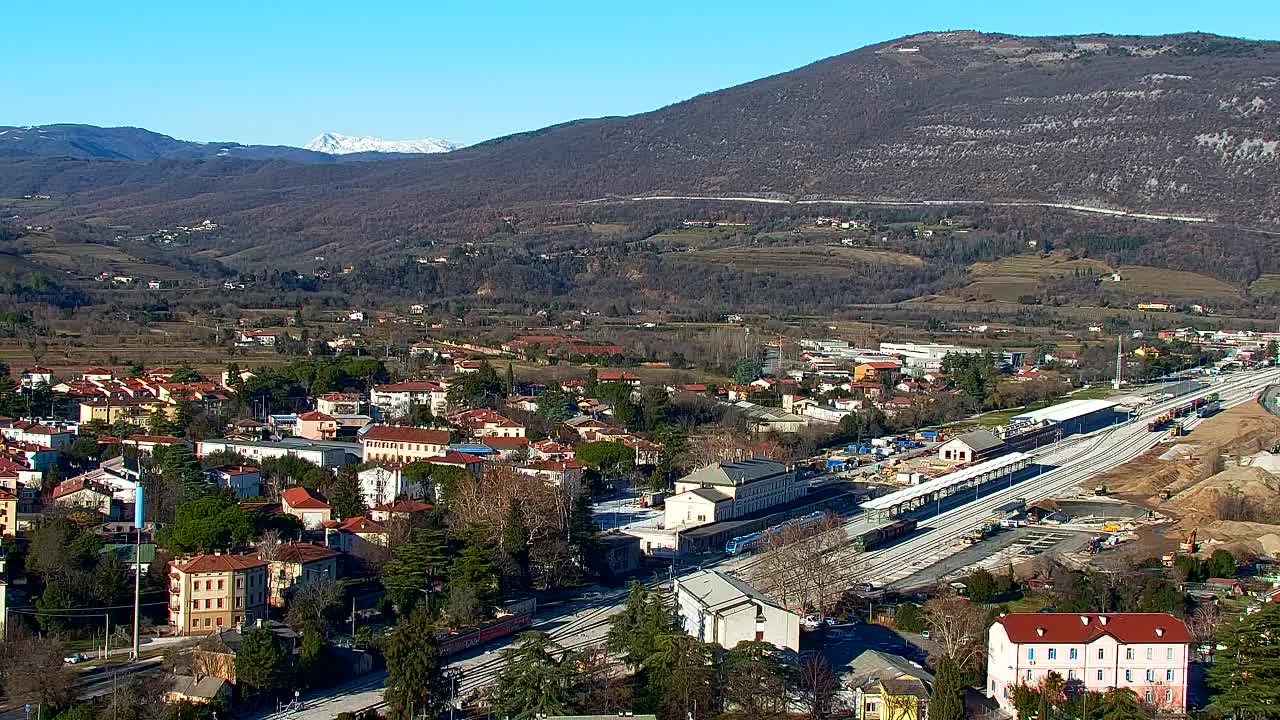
point(564, 474)
point(1146, 653)
point(37, 376)
point(315, 425)
point(397, 399)
point(486, 423)
point(402, 443)
point(307, 505)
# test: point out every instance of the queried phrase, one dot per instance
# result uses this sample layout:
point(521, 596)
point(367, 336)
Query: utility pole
point(138, 503)
point(1119, 362)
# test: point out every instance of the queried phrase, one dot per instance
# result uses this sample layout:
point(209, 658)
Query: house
point(315, 425)
point(465, 461)
point(403, 509)
point(718, 608)
point(725, 491)
point(88, 495)
point(881, 686)
point(355, 316)
point(384, 482)
point(764, 419)
point(358, 536)
point(198, 690)
point(243, 480)
point(208, 593)
point(1146, 653)
point(466, 367)
point(146, 444)
point(588, 428)
point(485, 423)
point(550, 450)
point(398, 399)
point(618, 376)
point(504, 448)
point(260, 338)
point(32, 433)
point(327, 454)
point(563, 474)
point(621, 552)
point(1226, 586)
point(402, 443)
point(971, 447)
point(97, 374)
point(292, 565)
point(647, 453)
point(36, 376)
point(306, 505)
point(338, 403)
point(417, 309)
point(8, 514)
point(215, 656)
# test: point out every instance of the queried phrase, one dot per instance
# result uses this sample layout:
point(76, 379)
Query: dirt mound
point(1181, 451)
point(1248, 537)
point(1257, 490)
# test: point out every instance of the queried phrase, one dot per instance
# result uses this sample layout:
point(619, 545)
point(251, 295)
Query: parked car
point(811, 622)
point(592, 596)
point(75, 658)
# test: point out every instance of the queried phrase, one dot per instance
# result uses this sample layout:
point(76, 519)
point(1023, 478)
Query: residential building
point(466, 461)
point(881, 686)
point(198, 690)
point(878, 372)
point(971, 447)
point(261, 338)
point(1146, 653)
point(31, 433)
point(243, 480)
point(621, 552)
point(85, 494)
point(307, 506)
point(718, 608)
point(316, 425)
point(550, 450)
point(337, 403)
point(328, 455)
point(485, 423)
point(765, 419)
point(724, 491)
point(146, 444)
point(403, 509)
point(8, 514)
point(36, 376)
point(208, 593)
point(385, 482)
point(398, 399)
point(293, 565)
point(403, 443)
point(563, 474)
point(358, 536)
point(618, 376)
point(505, 448)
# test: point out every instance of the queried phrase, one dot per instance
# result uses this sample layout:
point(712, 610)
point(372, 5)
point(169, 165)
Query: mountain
point(337, 144)
point(1176, 124)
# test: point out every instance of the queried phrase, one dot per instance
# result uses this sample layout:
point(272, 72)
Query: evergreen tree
point(626, 629)
point(511, 380)
point(515, 544)
point(312, 670)
point(416, 566)
point(260, 664)
point(416, 685)
point(537, 678)
point(947, 701)
point(681, 675)
point(1244, 675)
point(472, 571)
point(1123, 704)
point(583, 531)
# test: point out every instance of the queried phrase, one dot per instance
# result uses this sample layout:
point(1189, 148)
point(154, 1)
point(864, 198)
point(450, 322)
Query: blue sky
point(279, 71)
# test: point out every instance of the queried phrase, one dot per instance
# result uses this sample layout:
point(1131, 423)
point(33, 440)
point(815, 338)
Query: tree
point(416, 566)
point(1243, 676)
point(815, 686)
point(537, 678)
point(343, 493)
point(313, 606)
point(312, 670)
point(555, 404)
point(909, 618)
point(32, 668)
point(472, 571)
point(947, 700)
point(746, 371)
point(626, 635)
point(958, 626)
point(605, 456)
point(416, 684)
point(981, 586)
point(755, 680)
point(206, 524)
point(478, 389)
point(1123, 704)
point(515, 544)
point(1222, 564)
point(800, 564)
point(260, 664)
point(681, 675)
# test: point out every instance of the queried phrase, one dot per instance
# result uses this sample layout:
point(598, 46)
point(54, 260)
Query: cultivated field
point(1159, 283)
point(824, 260)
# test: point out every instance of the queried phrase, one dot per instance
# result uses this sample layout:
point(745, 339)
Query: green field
point(1159, 282)
point(1268, 284)
point(804, 259)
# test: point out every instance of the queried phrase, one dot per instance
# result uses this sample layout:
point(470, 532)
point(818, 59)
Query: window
point(871, 706)
point(1128, 653)
point(219, 603)
point(208, 584)
point(219, 622)
point(1028, 676)
point(1168, 696)
point(1128, 676)
point(1053, 653)
point(1101, 652)
point(239, 600)
point(1031, 653)
point(1100, 675)
point(239, 583)
point(1148, 696)
point(220, 584)
point(206, 622)
point(208, 603)
point(236, 619)
point(1071, 674)
point(1151, 653)
point(1073, 653)
point(1168, 654)
point(1151, 675)
point(195, 623)
point(1168, 675)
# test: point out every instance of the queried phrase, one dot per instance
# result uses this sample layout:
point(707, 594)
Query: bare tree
point(1204, 623)
point(33, 670)
point(815, 686)
point(312, 605)
point(958, 626)
point(268, 545)
point(802, 565)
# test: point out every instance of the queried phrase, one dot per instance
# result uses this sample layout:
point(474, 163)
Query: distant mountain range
point(89, 142)
point(1178, 124)
point(337, 144)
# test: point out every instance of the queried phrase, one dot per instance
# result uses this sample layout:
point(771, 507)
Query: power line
point(54, 611)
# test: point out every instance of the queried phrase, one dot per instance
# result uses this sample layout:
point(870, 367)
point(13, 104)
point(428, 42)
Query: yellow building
point(208, 593)
point(8, 513)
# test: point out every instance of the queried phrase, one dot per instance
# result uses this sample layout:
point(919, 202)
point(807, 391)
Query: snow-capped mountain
point(337, 144)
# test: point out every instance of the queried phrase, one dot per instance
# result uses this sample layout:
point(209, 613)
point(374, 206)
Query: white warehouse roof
point(1064, 412)
point(1011, 463)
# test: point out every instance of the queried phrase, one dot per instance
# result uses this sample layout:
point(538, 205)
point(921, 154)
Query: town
point(287, 539)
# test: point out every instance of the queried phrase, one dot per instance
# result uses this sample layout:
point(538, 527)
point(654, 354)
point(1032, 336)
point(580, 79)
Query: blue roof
point(476, 449)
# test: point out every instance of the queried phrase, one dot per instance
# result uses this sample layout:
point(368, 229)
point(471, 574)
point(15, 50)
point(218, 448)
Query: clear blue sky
point(279, 71)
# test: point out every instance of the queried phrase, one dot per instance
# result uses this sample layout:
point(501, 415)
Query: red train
point(455, 642)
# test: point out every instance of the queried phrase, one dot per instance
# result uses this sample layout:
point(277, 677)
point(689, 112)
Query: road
point(1061, 466)
point(93, 682)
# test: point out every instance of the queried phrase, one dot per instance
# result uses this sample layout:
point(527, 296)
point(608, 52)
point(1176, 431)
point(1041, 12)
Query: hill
point(1180, 124)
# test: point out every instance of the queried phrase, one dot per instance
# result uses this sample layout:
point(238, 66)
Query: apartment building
point(397, 399)
point(208, 593)
point(402, 443)
point(1146, 653)
point(293, 565)
point(725, 491)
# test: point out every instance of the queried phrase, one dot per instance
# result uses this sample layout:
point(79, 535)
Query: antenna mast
point(1115, 384)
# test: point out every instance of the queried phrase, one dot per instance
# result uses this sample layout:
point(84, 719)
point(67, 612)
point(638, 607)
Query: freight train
point(1200, 407)
point(883, 535)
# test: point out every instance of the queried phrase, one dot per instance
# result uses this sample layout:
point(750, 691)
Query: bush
point(909, 618)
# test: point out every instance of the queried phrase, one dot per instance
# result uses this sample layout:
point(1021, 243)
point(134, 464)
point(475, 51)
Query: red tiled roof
point(316, 416)
point(881, 365)
point(401, 433)
point(155, 439)
point(1127, 628)
point(303, 553)
point(237, 469)
point(303, 499)
point(361, 525)
point(404, 506)
point(74, 485)
point(454, 458)
point(411, 386)
point(219, 563)
point(341, 397)
point(96, 371)
point(5, 495)
point(612, 375)
point(553, 465)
